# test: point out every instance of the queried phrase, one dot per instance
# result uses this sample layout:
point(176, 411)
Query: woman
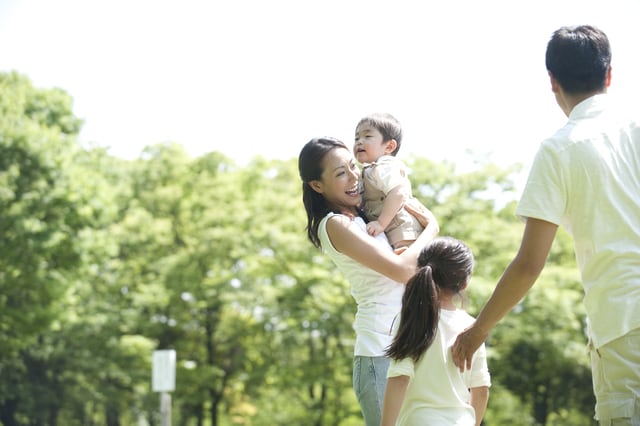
point(376, 274)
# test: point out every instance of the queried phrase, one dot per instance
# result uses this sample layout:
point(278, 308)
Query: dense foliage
point(104, 260)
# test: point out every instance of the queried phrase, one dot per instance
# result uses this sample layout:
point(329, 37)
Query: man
point(586, 178)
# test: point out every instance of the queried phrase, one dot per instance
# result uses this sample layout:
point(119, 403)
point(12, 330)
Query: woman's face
point(339, 181)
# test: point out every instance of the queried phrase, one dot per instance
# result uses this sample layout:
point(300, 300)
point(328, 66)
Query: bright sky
point(255, 77)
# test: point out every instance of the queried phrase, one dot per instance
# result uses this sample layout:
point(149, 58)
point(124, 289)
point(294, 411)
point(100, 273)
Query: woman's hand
point(417, 209)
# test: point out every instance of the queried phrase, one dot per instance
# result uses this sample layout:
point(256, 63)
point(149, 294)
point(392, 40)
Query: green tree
point(65, 355)
point(541, 349)
point(538, 351)
point(104, 260)
point(45, 209)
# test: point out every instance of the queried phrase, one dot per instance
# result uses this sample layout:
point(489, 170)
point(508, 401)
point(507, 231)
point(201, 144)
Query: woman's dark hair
point(445, 264)
point(579, 58)
point(310, 169)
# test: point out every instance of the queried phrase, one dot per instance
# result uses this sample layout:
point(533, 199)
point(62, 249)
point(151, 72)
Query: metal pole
point(165, 408)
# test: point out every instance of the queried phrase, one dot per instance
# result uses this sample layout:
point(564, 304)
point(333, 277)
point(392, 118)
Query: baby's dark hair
point(444, 265)
point(386, 124)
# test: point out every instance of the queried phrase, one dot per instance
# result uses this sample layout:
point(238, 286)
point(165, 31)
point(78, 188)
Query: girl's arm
point(348, 239)
point(479, 399)
point(393, 397)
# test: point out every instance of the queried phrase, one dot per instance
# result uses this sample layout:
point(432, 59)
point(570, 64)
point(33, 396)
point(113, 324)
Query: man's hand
point(466, 344)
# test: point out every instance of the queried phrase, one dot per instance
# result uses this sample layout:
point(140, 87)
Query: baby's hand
point(374, 228)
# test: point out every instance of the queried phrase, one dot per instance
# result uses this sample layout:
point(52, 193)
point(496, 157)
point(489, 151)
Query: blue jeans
point(369, 382)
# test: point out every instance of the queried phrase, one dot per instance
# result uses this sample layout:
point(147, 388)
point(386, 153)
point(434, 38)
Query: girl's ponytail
point(445, 264)
point(418, 318)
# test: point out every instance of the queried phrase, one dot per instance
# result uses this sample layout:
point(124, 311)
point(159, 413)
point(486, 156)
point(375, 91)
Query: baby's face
point(369, 144)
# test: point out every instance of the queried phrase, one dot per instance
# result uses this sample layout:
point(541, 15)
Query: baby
point(384, 182)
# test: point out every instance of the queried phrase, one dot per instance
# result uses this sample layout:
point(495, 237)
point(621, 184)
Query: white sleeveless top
point(377, 297)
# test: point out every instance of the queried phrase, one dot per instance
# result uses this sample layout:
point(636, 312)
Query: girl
point(424, 385)
point(375, 273)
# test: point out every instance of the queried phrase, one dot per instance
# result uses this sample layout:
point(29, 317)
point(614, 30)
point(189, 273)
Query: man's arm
point(518, 278)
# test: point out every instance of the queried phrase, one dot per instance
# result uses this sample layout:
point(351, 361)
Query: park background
point(150, 198)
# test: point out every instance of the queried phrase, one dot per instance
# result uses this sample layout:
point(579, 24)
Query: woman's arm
point(427, 220)
point(393, 397)
point(348, 238)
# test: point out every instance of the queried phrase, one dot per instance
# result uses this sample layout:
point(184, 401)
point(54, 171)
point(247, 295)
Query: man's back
point(587, 178)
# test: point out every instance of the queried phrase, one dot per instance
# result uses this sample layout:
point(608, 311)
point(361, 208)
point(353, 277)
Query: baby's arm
point(479, 399)
point(393, 202)
point(393, 397)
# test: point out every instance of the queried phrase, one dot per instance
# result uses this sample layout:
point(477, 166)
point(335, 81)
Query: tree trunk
point(112, 417)
point(215, 401)
point(8, 412)
point(540, 409)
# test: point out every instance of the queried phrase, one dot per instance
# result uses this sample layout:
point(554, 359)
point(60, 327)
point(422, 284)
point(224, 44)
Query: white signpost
point(163, 380)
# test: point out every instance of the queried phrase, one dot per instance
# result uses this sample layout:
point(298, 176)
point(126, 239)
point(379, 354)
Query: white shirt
point(587, 178)
point(438, 394)
point(378, 298)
